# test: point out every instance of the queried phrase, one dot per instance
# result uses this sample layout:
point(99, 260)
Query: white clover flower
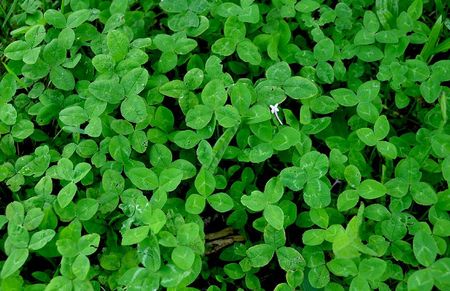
point(274, 110)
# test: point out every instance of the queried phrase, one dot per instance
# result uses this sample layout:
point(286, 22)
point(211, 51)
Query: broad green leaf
point(33, 218)
point(372, 268)
point(347, 200)
point(415, 9)
point(260, 153)
point(193, 78)
point(170, 178)
point(167, 61)
point(16, 50)
point(53, 53)
point(368, 91)
point(367, 136)
point(133, 109)
point(35, 35)
point(73, 115)
point(76, 18)
point(113, 182)
point(315, 164)
point(55, 18)
point(228, 116)
point(430, 90)
point(32, 56)
point(285, 138)
point(323, 105)
point(300, 88)
point(8, 114)
point(394, 228)
point(228, 9)
point(250, 13)
point(59, 283)
point(149, 253)
point(423, 193)
point(359, 283)
point(205, 183)
point(344, 97)
point(184, 46)
point(143, 178)
point(174, 6)
point(387, 36)
point(86, 208)
point(257, 114)
point(371, 189)
point(255, 202)
point(367, 111)
point(370, 21)
point(62, 78)
point(274, 190)
point(260, 255)
point(440, 270)
point(369, 53)
point(118, 44)
point(224, 46)
point(317, 194)
point(293, 177)
point(107, 90)
point(381, 127)
point(234, 28)
point(22, 129)
point(442, 228)
point(421, 280)
point(290, 259)
point(183, 257)
point(66, 38)
point(248, 52)
point(440, 144)
point(342, 267)
point(313, 237)
point(319, 217)
point(134, 235)
point(279, 72)
point(80, 171)
point(195, 203)
point(175, 89)
point(274, 216)
point(221, 202)
point(417, 70)
point(38, 70)
point(8, 87)
point(425, 248)
point(81, 266)
point(307, 6)
point(324, 50)
point(15, 260)
point(387, 149)
point(40, 238)
point(319, 276)
point(276, 238)
point(214, 94)
point(119, 148)
point(204, 153)
point(134, 81)
point(66, 194)
point(325, 72)
point(186, 139)
point(352, 175)
point(157, 220)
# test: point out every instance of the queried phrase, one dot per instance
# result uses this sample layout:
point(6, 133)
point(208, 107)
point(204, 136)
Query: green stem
point(11, 10)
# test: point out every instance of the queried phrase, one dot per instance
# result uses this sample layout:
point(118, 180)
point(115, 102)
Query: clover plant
point(224, 145)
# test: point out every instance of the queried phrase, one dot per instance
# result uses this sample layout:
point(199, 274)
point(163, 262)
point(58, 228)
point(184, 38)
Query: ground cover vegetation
point(224, 145)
